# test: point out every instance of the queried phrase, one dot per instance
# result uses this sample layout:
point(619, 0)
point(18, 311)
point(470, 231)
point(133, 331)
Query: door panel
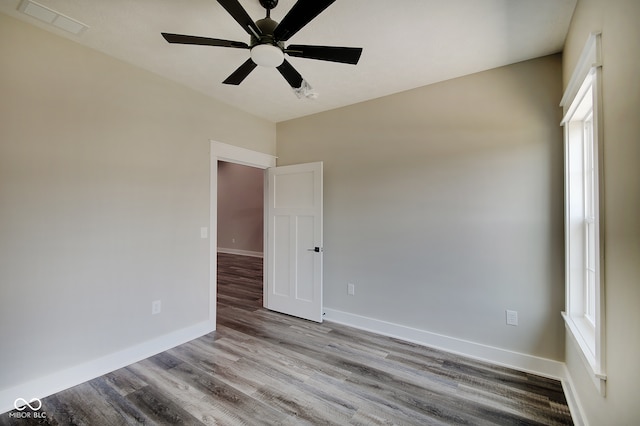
point(305, 258)
point(293, 190)
point(281, 240)
point(293, 255)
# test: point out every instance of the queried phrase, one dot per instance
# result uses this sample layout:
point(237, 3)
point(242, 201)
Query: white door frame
point(233, 154)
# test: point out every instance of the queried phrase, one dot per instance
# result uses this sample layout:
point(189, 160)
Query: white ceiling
point(407, 44)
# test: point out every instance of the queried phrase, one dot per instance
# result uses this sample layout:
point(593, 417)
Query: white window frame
point(584, 251)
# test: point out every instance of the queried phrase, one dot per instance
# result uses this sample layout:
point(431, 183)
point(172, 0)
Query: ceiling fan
point(268, 37)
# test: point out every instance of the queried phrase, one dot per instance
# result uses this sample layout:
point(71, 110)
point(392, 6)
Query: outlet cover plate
point(512, 317)
point(156, 307)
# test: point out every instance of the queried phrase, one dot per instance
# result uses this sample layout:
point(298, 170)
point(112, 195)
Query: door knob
point(315, 249)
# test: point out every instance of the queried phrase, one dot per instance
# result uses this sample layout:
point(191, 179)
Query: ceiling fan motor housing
point(267, 26)
point(268, 4)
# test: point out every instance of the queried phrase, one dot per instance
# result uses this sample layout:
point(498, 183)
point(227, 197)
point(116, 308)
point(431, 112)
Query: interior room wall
point(104, 186)
point(617, 20)
point(240, 208)
point(444, 206)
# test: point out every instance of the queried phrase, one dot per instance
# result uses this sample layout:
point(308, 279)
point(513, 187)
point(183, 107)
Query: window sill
point(582, 332)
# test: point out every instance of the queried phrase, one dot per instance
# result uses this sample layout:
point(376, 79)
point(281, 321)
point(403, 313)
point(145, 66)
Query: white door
point(293, 254)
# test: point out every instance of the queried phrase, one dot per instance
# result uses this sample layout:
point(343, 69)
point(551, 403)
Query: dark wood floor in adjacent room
point(261, 367)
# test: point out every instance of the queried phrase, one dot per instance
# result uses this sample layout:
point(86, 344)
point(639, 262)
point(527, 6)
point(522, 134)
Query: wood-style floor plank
point(261, 367)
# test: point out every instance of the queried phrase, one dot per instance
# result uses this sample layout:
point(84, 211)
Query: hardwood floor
point(261, 367)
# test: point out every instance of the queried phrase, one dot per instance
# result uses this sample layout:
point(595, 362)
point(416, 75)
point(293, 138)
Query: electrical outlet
point(156, 307)
point(351, 289)
point(512, 317)
point(204, 232)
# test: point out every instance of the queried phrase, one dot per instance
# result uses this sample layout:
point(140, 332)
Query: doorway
point(236, 155)
point(240, 238)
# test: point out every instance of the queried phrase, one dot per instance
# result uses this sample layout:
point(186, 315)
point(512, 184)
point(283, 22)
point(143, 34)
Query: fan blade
point(345, 55)
point(300, 15)
point(290, 74)
point(238, 13)
point(203, 41)
point(241, 73)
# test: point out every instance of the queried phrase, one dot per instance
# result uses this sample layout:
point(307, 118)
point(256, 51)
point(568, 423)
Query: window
point(584, 314)
point(590, 214)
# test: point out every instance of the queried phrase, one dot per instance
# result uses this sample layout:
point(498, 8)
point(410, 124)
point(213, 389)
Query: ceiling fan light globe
point(267, 55)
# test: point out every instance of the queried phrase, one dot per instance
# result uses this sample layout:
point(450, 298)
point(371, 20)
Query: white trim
point(239, 155)
point(240, 252)
point(597, 376)
point(581, 92)
point(73, 376)
point(577, 412)
point(234, 154)
point(519, 361)
point(591, 57)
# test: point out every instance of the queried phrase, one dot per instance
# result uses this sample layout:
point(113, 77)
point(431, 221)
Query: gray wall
point(618, 22)
point(240, 207)
point(444, 205)
point(104, 185)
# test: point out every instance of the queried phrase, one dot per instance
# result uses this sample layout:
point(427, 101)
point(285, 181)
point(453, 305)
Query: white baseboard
point(65, 379)
point(519, 361)
point(577, 413)
point(240, 252)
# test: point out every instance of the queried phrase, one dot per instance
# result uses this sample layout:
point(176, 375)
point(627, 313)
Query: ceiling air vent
point(52, 17)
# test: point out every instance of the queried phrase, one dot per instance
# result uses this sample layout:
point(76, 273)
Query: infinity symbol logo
point(21, 404)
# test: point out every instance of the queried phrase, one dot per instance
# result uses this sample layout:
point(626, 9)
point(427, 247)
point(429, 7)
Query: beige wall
point(618, 22)
point(104, 185)
point(444, 206)
point(240, 207)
